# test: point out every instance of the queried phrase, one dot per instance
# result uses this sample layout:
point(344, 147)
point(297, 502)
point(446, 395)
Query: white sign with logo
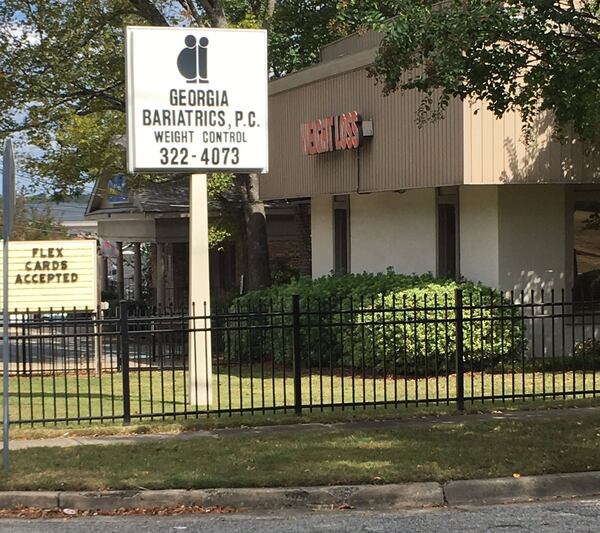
point(196, 99)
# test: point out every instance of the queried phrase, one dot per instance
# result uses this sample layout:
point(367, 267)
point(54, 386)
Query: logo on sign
point(192, 60)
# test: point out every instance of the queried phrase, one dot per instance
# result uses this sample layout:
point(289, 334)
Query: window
point(447, 215)
point(341, 232)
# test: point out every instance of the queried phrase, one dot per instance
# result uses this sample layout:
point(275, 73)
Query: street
point(572, 516)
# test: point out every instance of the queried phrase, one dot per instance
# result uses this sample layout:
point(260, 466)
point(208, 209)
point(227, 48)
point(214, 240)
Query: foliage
point(378, 322)
point(34, 222)
point(586, 356)
point(62, 70)
point(62, 89)
point(514, 55)
point(335, 287)
point(283, 272)
point(414, 329)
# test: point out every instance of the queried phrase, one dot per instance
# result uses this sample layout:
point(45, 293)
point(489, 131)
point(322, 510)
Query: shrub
point(586, 356)
point(374, 322)
point(414, 330)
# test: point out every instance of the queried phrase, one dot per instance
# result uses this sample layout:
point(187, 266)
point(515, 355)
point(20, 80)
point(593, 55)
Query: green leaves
point(381, 321)
point(528, 56)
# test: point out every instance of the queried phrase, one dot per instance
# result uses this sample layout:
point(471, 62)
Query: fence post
point(124, 341)
point(460, 366)
point(297, 355)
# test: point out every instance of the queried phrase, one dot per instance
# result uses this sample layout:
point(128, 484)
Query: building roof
point(170, 197)
point(309, 112)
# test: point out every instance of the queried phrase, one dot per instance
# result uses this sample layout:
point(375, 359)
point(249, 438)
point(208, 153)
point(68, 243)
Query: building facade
point(465, 196)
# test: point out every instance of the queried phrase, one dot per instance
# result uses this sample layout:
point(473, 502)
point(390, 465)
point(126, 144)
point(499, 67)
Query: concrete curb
point(394, 496)
point(508, 490)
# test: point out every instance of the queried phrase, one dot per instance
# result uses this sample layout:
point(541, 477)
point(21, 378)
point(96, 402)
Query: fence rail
point(307, 354)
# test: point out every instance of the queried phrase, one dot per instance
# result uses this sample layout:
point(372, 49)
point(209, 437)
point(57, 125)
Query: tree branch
point(214, 12)
point(147, 10)
point(193, 10)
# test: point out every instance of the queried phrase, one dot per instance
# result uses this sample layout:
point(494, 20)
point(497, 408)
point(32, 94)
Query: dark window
point(341, 229)
point(447, 240)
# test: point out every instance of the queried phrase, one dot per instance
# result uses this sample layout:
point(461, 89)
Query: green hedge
point(349, 320)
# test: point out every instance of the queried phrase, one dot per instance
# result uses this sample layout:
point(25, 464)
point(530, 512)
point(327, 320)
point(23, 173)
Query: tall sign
point(196, 103)
point(196, 100)
point(8, 210)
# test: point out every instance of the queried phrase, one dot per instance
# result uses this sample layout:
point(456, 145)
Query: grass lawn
point(72, 396)
point(440, 452)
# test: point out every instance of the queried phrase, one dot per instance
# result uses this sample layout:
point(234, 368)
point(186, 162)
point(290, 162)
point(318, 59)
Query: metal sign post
point(8, 201)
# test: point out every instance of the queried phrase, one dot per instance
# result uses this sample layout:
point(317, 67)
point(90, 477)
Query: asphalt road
point(569, 516)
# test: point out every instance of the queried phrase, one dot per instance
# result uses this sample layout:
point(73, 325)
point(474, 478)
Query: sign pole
point(8, 200)
point(200, 353)
point(197, 102)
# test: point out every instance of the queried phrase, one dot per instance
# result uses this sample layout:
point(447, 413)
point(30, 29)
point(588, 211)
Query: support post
point(98, 347)
point(297, 355)
point(102, 275)
point(124, 342)
point(199, 344)
point(161, 264)
point(460, 367)
point(137, 272)
point(120, 272)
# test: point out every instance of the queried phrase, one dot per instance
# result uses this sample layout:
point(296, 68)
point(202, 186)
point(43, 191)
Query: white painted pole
point(200, 354)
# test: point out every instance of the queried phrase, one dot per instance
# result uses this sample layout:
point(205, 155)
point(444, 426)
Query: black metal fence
point(301, 355)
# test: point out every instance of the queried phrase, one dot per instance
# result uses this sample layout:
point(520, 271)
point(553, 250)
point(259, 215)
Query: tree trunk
point(258, 272)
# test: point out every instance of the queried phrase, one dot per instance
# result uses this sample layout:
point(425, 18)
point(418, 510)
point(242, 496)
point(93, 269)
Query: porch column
point(120, 272)
point(160, 274)
point(137, 272)
point(102, 274)
point(200, 354)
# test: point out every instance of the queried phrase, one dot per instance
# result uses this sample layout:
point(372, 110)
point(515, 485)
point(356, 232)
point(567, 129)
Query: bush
point(414, 330)
point(375, 322)
point(586, 356)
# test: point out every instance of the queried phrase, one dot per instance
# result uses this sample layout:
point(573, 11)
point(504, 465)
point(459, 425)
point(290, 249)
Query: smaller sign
point(8, 188)
point(52, 274)
point(332, 133)
point(117, 189)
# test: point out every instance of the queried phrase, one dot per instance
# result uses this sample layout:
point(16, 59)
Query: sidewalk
point(425, 421)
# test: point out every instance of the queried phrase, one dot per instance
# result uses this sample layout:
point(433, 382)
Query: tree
point(34, 222)
point(62, 82)
point(528, 56)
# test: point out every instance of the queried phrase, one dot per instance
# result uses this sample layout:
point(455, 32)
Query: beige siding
point(399, 156)
point(496, 151)
point(469, 146)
